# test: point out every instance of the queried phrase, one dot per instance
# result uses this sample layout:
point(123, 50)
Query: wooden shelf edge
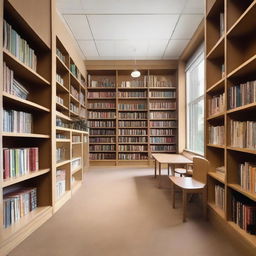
point(80, 168)
point(245, 150)
point(63, 140)
point(217, 210)
point(62, 63)
point(59, 114)
point(33, 72)
point(25, 102)
point(216, 85)
point(239, 189)
point(216, 116)
point(215, 146)
point(242, 108)
point(29, 135)
point(219, 177)
point(218, 43)
point(31, 175)
point(62, 163)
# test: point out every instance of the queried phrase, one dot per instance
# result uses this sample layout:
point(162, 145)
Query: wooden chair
point(192, 185)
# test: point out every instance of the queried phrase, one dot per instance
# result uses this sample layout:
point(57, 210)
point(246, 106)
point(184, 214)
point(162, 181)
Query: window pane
point(195, 105)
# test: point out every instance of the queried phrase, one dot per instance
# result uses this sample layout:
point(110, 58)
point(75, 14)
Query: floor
point(119, 211)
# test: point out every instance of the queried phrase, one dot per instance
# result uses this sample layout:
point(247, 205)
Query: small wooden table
point(169, 159)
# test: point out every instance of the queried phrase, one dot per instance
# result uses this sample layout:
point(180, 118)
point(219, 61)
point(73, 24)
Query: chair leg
point(173, 195)
point(168, 169)
point(204, 199)
point(184, 204)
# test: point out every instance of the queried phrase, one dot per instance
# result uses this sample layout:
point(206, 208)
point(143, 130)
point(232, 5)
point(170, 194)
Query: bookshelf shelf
point(247, 107)
point(217, 86)
point(14, 100)
point(217, 210)
point(79, 168)
point(31, 175)
point(219, 177)
point(245, 150)
point(62, 163)
point(217, 50)
point(61, 65)
point(63, 140)
point(27, 135)
point(61, 106)
point(162, 88)
point(216, 116)
point(22, 70)
point(215, 146)
point(101, 88)
point(61, 88)
point(239, 189)
point(61, 115)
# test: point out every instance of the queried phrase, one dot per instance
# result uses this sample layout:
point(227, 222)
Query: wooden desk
point(169, 159)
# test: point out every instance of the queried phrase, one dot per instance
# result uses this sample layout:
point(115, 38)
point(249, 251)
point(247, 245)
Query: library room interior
point(128, 128)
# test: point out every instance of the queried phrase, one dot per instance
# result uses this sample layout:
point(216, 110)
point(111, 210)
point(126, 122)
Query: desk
point(169, 159)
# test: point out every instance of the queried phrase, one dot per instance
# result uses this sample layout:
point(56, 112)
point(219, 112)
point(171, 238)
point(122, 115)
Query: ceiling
point(129, 29)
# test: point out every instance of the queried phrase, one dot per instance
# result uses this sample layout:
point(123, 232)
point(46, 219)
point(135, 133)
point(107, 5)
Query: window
point(195, 102)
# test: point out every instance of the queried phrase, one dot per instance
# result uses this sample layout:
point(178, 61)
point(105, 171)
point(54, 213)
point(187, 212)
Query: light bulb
point(135, 73)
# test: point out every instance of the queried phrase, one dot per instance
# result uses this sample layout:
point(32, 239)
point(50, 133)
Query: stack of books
point(60, 183)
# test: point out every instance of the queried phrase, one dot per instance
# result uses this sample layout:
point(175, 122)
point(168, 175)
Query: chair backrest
point(188, 154)
point(200, 169)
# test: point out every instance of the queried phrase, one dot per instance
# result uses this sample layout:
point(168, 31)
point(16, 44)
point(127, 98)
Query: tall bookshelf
point(26, 168)
point(71, 161)
point(131, 118)
point(230, 106)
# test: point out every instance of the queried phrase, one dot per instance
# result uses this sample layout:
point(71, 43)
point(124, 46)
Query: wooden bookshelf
point(230, 64)
point(135, 107)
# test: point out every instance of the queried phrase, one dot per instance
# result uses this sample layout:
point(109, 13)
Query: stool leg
point(155, 168)
point(184, 204)
point(173, 195)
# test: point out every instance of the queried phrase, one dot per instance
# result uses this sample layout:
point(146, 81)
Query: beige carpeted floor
point(119, 211)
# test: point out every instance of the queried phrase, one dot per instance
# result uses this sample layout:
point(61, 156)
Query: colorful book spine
point(247, 176)
point(102, 156)
point(132, 156)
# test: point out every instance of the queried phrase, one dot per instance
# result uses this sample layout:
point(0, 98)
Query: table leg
point(172, 169)
point(204, 197)
point(173, 195)
point(168, 169)
point(155, 167)
point(184, 204)
point(159, 175)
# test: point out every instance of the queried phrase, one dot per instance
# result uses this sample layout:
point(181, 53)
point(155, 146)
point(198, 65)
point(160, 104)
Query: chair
point(192, 185)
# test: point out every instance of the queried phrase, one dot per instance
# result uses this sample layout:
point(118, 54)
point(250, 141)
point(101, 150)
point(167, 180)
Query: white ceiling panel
point(156, 48)
point(194, 7)
point(69, 6)
point(186, 26)
point(132, 26)
point(88, 48)
point(175, 48)
point(79, 26)
point(132, 6)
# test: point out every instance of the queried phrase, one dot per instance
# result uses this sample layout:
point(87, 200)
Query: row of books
point(60, 55)
point(216, 135)
point(243, 134)
point(162, 105)
point(11, 85)
point(102, 132)
point(132, 156)
point(74, 108)
point(76, 138)
point(105, 83)
point(156, 132)
point(133, 148)
point(59, 100)
point(155, 81)
point(18, 46)
point(221, 170)
point(132, 106)
point(18, 204)
point(102, 148)
point(162, 124)
point(132, 94)
point(74, 92)
point(59, 79)
point(162, 94)
point(132, 115)
point(61, 153)
point(94, 114)
point(19, 161)
point(82, 98)
point(133, 139)
point(132, 132)
point(60, 183)
point(244, 214)
point(61, 136)
point(76, 163)
point(75, 71)
point(164, 148)
point(242, 94)
point(216, 104)
point(95, 95)
point(134, 83)
point(101, 105)
point(219, 196)
point(17, 121)
point(162, 140)
point(96, 124)
point(102, 140)
point(102, 156)
point(247, 176)
point(162, 115)
point(141, 124)
point(82, 112)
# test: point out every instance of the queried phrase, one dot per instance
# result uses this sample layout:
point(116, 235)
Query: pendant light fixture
point(135, 73)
